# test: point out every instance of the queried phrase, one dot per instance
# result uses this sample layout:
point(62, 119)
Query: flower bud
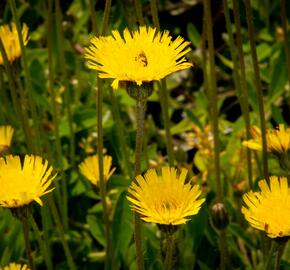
point(220, 216)
point(139, 91)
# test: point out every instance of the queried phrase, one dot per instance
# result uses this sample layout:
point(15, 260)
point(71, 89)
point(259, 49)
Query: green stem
point(268, 261)
point(139, 12)
point(283, 16)
point(258, 86)
point(165, 114)
point(67, 96)
point(163, 93)
point(154, 13)
point(169, 252)
point(15, 101)
point(109, 257)
point(140, 118)
point(25, 226)
point(109, 263)
point(27, 78)
point(42, 244)
point(105, 24)
point(214, 115)
point(61, 233)
point(240, 80)
point(93, 16)
point(279, 255)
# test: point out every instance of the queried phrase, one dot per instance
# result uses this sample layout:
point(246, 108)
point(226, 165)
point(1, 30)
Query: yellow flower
point(6, 133)
point(164, 199)
point(15, 266)
point(278, 140)
point(21, 184)
point(9, 37)
point(143, 56)
point(90, 168)
point(269, 209)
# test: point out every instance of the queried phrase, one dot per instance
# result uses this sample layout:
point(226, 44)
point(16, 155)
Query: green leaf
point(122, 227)
point(96, 227)
point(193, 34)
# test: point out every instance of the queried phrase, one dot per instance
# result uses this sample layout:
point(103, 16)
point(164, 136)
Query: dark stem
point(279, 255)
point(25, 227)
point(169, 252)
point(140, 108)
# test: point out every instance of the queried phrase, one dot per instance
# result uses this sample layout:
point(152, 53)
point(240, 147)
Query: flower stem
point(61, 233)
point(154, 13)
point(42, 244)
point(279, 255)
point(268, 261)
point(140, 109)
point(27, 78)
point(239, 78)
point(212, 91)
point(15, 101)
point(283, 8)
point(109, 255)
point(258, 86)
point(109, 263)
point(25, 227)
point(139, 12)
point(169, 251)
point(163, 93)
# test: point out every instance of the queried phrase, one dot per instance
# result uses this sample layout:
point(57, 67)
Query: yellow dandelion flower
point(6, 133)
point(164, 199)
point(269, 209)
point(15, 266)
point(278, 140)
point(90, 168)
point(9, 37)
point(22, 184)
point(143, 56)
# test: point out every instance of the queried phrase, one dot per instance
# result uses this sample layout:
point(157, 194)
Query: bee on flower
point(145, 55)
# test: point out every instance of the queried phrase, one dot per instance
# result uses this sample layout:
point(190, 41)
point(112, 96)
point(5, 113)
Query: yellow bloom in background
point(9, 37)
point(278, 140)
point(15, 266)
point(90, 168)
point(22, 184)
point(269, 209)
point(164, 199)
point(143, 56)
point(6, 133)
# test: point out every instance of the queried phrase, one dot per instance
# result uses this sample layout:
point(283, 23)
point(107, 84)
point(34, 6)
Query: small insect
point(142, 59)
point(266, 227)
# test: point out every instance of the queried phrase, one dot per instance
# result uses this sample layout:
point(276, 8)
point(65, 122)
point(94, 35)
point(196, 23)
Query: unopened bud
point(220, 216)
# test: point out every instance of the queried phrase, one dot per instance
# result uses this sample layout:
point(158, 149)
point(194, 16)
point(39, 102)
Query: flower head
point(269, 209)
point(22, 184)
point(15, 266)
point(6, 133)
point(9, 38)
point(90, 168)
point(143, 56)
point(278, 140)
point(164, 199)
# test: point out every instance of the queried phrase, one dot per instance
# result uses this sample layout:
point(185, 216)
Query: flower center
point(141, 59)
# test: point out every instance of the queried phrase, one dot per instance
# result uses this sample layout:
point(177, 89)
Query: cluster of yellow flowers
point(269, 209)
point(163, 199)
